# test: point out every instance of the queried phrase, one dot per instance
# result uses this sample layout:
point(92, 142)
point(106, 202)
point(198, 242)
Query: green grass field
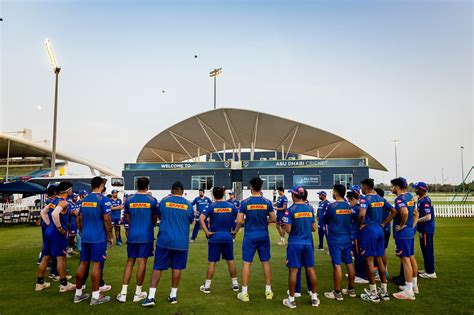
point(451, 293)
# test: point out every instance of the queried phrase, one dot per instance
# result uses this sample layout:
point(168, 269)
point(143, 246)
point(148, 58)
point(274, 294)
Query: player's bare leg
point(243, 296)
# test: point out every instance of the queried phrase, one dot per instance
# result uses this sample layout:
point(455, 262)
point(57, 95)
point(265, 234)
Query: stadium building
point(227, 147)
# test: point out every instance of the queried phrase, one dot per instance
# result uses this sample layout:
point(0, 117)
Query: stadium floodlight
point(214, 74)
point(56, 70)
point(395, 142)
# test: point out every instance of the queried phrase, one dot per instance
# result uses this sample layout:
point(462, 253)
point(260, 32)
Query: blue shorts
point(299, 255)
point(405, 247)
point(125, 223)
point(96, 252)
point(54, 244)
point(73, 228)
point(166, 258)
point(386, 238)
point(252, 244)
point(115, 220)
point(340, 251)
point(279, 216)
point(139, 250)
point(216, 250)
point(373, 241)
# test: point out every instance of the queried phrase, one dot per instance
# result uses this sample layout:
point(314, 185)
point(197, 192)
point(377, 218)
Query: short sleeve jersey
point(221, 216)
point(256, 210)
point(301, 217)
point(141, 208)
point(338, 219)
point(93, 208)
point(404, 200)
point(425, 207)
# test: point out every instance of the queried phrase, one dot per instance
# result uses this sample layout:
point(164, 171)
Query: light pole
point(213, 74)
point(56, 70)
point(442, 176)
point(462, 167)
point(396, 157)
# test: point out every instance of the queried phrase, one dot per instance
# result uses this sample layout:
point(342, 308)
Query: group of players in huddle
point(353, 225)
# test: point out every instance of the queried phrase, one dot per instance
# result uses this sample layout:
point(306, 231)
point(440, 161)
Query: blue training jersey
point(63, 217)
point(221, 216)
point(301, 217)
point(176, 214)
point(374, 209)
point(236, 203)
point(115, 214)
point(355, 222)
point(282, 202)
point(93, 208)
point(425, 207)
point(141, 208)
point(321, 207)
point(201, 203)
point(338, 219)
point(404, 200)
point(256, 210)
point(387, 208)
point(73, 206)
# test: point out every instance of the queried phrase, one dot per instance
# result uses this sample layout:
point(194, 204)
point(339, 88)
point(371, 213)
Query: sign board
point(305, 163)
point(176, 166)
point(307, 180)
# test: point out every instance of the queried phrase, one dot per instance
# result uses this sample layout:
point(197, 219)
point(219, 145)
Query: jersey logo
point(427, 205)
point(52, 206)
point(140, 205)
point(89, 204)
point(376, 204)
point(257, 207)
point(303, 215)
point(176, 205)
point(222, 210)
point(411, 203)
point(344, 211)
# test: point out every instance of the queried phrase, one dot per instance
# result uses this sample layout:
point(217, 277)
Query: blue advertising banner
point(307, 180)
point(305, 163)
point(175, 166)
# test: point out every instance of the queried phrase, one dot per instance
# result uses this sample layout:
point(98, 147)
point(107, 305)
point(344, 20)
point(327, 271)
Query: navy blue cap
point(82, 192)
point(322, 193)
point(114, 191)
point(297, 190)
point(355, 188)
point(420, 185)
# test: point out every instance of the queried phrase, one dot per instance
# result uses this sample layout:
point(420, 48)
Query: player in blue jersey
point(338, 218)
point(299, 222)
point(323, 202)
point(116, 215)
point(51, 193)
point(56, 216)
point(426, 229)
point(82, 195)
point(371, 223)
point(256, 212)
point(236, 203)
point(221, 215)
point(359, 260)
point(404, 225)
point(201, 202)
point(96, 229)
point(176, 214)
point(280, 208)
point(142, 213)
point(74, 209)
point(386, 229)
point(124, 218)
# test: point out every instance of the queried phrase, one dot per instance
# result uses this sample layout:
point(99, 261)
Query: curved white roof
point(25, 148)
point(210, 131)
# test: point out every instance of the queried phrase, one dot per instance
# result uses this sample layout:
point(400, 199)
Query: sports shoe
point(119, 243)
point(361, 280)
point(191, 241)
point(139, 297)
point(315, 302)
point(243, 297)
point(415, 289)
point(172, 300)
point(122, 298)
point(369, 296)
point(296, 294)
point(235, 288)
point(80, 298)
point(268, 295)
point(70, 251)
point(351, 292)
point(289, 304)
point(68, 256)
point(333, 295)
point(105, 288)
point(205, 290)
point(101, 300)
point(68, 287)
point(321, 249)
point(53, 277)
point(281, 242)
point(383, 295)
point(148, 302)
point(425, 275)
point(404, 295)
point(421, 271)
point(42, 286)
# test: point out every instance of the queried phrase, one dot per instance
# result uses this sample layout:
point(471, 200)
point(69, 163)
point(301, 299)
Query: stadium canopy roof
point(233, 129)
point(23, 148)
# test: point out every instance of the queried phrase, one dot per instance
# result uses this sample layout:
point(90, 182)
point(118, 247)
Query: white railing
point(454, 210)
point(7, 207)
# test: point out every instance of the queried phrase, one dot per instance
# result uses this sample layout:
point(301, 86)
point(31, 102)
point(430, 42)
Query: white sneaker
point(122, 298)
point(42, 286)
point(289, 304)
point(139, 297)
point(360, 280)
point(404, 295)
point(428, 275)
point(68, 287)
point(105, 288)
point(421, 271)
point(415, 289)
point(296, 294)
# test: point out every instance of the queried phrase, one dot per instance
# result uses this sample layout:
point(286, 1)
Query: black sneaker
point(369, 296)
point(172, 300)
point(383, 295)
point(235, 288)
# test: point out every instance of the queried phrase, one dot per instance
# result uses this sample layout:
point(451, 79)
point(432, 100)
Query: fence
point(454, 210)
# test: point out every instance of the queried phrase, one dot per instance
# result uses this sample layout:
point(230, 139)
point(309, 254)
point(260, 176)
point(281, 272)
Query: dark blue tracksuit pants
point(427, 248)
